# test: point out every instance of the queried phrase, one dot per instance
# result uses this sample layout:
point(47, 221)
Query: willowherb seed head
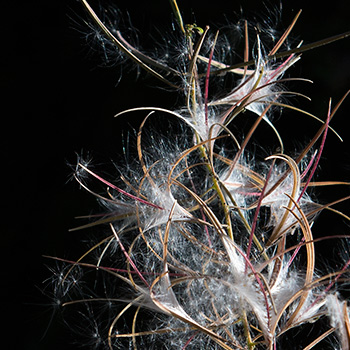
point(209, 247)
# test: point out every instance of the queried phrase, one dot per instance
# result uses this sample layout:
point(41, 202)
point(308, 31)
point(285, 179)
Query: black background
point(58, 101)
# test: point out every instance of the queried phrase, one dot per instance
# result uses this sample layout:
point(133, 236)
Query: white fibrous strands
point(208, 245)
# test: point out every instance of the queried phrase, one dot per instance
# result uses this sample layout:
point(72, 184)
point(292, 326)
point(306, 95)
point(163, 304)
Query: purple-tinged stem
point(261, 197)
point(128, 257)
point(119, 189)
point(319, 153)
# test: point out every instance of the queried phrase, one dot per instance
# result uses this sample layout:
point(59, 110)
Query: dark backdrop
point(58, 101)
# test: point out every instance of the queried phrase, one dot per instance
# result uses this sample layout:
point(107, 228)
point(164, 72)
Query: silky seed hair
point(201, 242)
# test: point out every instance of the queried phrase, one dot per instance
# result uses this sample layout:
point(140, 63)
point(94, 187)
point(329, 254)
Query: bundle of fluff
point(208, 246)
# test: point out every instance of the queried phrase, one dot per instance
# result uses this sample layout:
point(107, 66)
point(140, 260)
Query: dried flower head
point(210, 247)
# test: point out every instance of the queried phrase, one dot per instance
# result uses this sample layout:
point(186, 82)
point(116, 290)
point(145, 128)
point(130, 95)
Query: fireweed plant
point(209, 246)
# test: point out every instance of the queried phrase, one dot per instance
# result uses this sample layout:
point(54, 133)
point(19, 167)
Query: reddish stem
point(319, 153)
point(261, 197)
point(128, 257)
point(119, 189)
